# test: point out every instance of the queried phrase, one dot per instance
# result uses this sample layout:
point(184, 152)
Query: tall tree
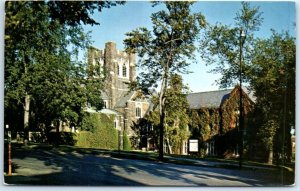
point(272, 77)
point(224, 45)
point(177, 119)
point(220, 46)
point(39, 47)
point(166, 49)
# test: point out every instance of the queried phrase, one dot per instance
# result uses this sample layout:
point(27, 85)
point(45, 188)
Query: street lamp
point(241, 118)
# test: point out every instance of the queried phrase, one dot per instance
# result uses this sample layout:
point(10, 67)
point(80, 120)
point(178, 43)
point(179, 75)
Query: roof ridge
point(212, 91)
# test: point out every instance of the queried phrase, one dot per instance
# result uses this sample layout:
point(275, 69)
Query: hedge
point(127, 143)
point(98, 132)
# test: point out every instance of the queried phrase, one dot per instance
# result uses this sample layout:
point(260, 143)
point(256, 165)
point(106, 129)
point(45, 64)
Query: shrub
point(99, 132)
point(126, 142)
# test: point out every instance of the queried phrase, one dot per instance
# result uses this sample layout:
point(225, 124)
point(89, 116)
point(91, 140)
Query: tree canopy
point(272, 76)
point(43, 76)
point(166, 49)
point(177, 119)
point(220, 46)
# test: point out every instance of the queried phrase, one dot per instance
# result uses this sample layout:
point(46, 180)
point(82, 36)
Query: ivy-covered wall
point(229, 111)
point(204, 123)
point(220, 124)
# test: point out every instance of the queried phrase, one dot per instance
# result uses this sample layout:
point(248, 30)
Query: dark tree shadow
point(74, 168)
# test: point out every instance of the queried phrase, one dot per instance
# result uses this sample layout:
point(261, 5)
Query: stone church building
point(215, 111)
point(117, 69)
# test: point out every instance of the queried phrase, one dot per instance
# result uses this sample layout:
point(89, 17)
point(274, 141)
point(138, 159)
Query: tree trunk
point(289, 151)
point(26, 118)
point(169, 146)
point(57, 134)
point(161, 132)
point(162, 110)
point(162, 113)
point(27, 102)
point(270, 157)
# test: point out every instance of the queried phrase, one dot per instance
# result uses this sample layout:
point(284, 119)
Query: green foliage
point(83, 139)
point(166, 49)
point(42, 41)
point(126, 143)
point(91, 121)
point(230, 107)
point(220, 124)
point(177, 119)
point(75, 13)
point(204, 123)
point(98, 132)
point(169, 46)
point(273, 71)
point(220, 46)
point(267, 134)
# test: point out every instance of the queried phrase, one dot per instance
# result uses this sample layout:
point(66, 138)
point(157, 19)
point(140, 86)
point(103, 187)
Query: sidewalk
point(219, 164)
point(151, 156)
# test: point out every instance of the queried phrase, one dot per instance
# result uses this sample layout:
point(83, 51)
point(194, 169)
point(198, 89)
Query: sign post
point(119, 141)
point(193, 145)
point(9, 151)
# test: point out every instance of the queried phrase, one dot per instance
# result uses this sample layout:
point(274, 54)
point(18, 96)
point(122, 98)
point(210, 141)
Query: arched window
point(138, 109)
point(124, 69)
point(138, 112)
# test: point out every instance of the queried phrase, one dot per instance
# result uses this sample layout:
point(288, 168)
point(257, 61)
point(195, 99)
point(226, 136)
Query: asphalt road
point(42, 167)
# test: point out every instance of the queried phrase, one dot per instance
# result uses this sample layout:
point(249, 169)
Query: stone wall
point(113, 61)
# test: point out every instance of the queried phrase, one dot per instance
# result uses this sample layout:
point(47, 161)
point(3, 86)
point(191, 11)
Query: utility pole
point(241, 118)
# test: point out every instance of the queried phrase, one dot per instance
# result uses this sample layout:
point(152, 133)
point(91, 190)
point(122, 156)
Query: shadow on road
point(39, 167)
point(55, 167)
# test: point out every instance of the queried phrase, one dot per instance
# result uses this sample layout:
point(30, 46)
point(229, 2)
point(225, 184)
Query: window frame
point(138, 112)
point(124, 70)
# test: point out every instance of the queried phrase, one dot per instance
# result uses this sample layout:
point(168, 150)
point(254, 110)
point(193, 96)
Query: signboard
point(193, 145)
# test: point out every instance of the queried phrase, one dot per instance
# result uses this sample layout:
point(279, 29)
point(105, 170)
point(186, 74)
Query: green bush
point(98, 132)
point(126, 142)
point(92, 121)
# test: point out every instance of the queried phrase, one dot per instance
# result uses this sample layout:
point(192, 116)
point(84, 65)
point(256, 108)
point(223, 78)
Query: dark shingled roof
point(124, 98)
point(212, 99)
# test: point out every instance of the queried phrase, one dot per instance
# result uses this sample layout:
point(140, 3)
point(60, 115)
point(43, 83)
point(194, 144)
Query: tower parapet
point(119, 69)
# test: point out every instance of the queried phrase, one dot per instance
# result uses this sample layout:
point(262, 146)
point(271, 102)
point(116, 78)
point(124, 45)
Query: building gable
point(212, 99)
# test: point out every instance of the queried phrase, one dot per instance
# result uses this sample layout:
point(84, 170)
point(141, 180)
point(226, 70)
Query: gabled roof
point(104, 95)
point(124, 98)
point(212, 99)
point(249, 93)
